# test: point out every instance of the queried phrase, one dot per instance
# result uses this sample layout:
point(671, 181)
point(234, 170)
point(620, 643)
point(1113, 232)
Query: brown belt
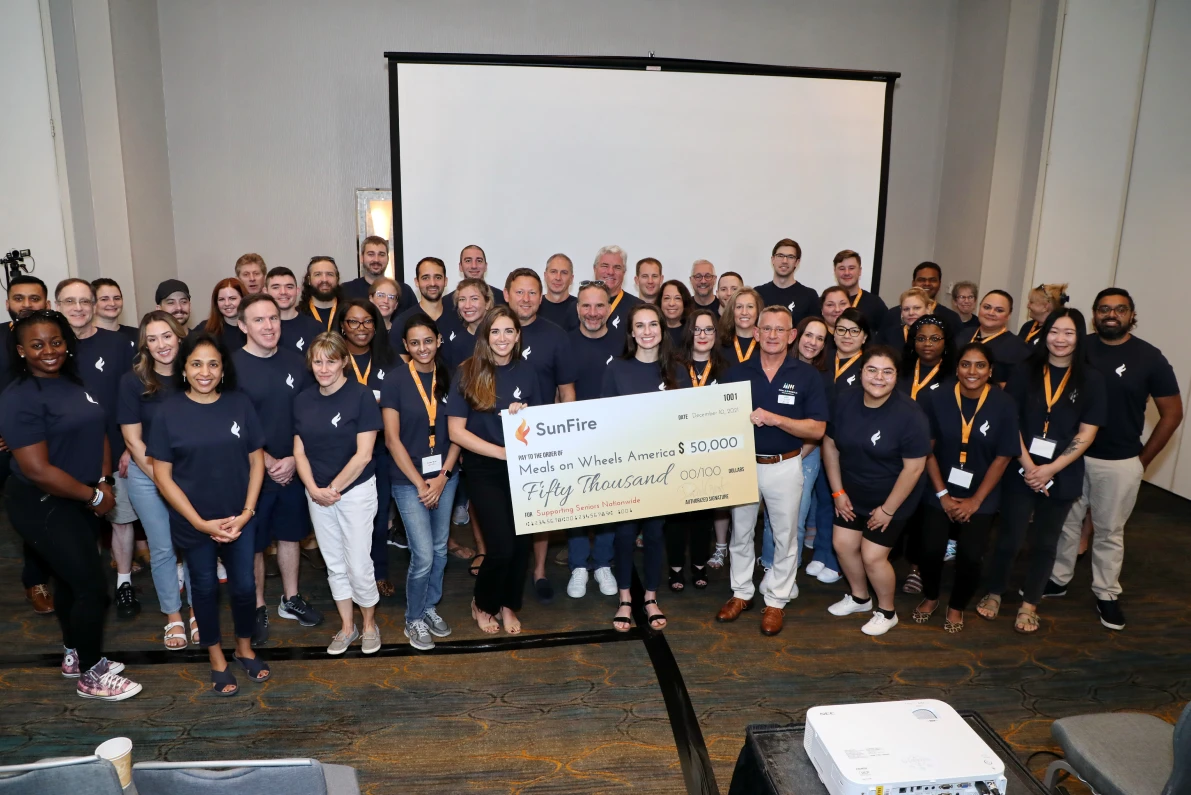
point(777, 459)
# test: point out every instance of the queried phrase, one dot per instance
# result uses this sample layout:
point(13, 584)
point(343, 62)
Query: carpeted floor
point(590, 717)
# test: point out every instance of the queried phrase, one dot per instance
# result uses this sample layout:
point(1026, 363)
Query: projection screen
point(672, 159)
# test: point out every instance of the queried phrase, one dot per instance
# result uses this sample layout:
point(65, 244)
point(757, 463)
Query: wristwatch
point(447, 472)
point(108, 479)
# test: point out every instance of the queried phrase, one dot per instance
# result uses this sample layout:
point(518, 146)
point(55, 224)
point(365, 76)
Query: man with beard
point(26, 295)
point(1134, 371)
point(430, 274)
point(703, 286)
point(785, 290)
point(250, 270)
point(374, 258)
point(558, 305)
point(473, 264)
point(173, 296)
point(648, 280)
point(320, 292)
point(298, 329)
point(609, 268)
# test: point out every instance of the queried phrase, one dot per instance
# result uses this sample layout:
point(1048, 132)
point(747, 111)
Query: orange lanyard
point(361, 377)
point(987, 340)
point(1033, 332)
point(616, 303)
point(702, 379)
point(330, 314)
point(856, 300)
point(841, 370)
point(905, 333)
point(740, 355)
point(917, 386)
point(1052, 398)
point(966, 425)
point(431, 405)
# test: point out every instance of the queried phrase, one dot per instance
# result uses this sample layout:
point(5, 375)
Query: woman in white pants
point(335, 426)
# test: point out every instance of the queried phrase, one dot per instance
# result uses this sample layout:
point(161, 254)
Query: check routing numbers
point(625, 458)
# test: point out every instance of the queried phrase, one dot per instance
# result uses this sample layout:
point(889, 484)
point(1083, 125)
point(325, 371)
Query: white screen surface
point(529, 161)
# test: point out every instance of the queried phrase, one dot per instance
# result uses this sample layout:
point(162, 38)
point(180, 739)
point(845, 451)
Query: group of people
point(306, 412)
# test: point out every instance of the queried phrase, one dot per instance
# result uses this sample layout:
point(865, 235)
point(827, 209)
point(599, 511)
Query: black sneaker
point(299, 610)
point(260, 634)
point(544, 591)
point(1111, 614)
point(1053, 589)
point(127, 606)
point(397, 537)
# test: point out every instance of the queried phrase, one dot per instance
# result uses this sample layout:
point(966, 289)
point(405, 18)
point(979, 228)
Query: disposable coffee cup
point(118, 751)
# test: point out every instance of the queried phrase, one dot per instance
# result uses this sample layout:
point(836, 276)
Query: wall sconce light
point(374, 216)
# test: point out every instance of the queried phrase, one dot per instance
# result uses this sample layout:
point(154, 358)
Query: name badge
point(431, 463)
point(1043, 448)
point(786, 399)
point(376, 394)
point(1049, 483)
point(959, 477)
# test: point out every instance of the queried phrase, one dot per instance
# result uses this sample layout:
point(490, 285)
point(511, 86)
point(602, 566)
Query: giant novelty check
point(625, 458)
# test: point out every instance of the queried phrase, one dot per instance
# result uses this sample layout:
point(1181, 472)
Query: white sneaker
point(607, 581)
point(847, 606)
point(814, 567)
point(577, 587)
point(220, 572)
point(828, 576)
point(950, 554)
point(878, 624)
point(460, 515)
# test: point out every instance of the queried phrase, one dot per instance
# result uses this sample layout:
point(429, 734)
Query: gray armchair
point(80, 774)
point(1125, 753)
point(290, 776)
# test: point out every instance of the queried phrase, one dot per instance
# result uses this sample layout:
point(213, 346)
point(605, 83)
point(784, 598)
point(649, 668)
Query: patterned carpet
point(590, 717)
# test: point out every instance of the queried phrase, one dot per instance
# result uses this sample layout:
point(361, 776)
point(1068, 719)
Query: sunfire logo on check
point(522, 433)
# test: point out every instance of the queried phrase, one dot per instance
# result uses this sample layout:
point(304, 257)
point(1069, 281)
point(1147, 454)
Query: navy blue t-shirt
point(1026, 330)
point(796, 392)
point(893, 319)
point(1008, 351)
point(360, 288)
point(1133, 371)
point(714, 306)
point(872, 443)
point(546, 348)
point(675, 333)
point(1087, 404)
point(131, 332)
point(103, 359)
point(272, 384)
point(994, 434)
point(872, 307)
point(633, 377)
point(458, 343)
point(798, 298)
point(498, 299)
point(400, 394)
point(618, 318)
point(397, 332)
point(5, 376)
point(60, 413)
point(298, 333)
point(136, 409)
point(592, 358)
point(905, 383)
point(849, 375)
point(233, 338)
point(208, 445)
point(516, 382)
point(328, 425)
point(749, 347)
point(564, 314)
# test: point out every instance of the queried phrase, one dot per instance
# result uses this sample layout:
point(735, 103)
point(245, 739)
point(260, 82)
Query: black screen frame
point(635, 64)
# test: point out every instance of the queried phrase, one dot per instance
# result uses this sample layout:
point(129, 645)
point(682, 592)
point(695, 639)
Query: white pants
point(344, 533)
point(1110, 488)
point(781, 489)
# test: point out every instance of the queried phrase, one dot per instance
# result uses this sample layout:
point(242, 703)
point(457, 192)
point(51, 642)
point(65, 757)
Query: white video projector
point(900, 748)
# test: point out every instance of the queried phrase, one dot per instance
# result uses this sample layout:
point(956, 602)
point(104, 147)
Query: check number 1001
point(716, 445)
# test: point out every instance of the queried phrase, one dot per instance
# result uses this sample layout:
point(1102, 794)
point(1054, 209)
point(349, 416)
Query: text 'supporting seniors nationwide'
point(625, 458)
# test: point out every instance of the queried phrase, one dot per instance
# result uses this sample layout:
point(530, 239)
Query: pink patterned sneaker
point(70, 665)
point(102, 683)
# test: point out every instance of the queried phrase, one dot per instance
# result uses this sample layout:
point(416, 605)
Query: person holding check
point(789, 415)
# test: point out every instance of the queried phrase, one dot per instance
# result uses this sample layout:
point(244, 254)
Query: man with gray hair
point(558, 305)
point(703, 286)
point(609, 268)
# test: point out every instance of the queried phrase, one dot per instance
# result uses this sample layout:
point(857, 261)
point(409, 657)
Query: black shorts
point(886, 538)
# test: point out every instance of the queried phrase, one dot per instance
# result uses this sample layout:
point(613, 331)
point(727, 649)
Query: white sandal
point(194, 633)
point(179, 635)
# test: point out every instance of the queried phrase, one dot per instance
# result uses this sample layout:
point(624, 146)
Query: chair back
point(81, 774)
point(289, 776)
point(1180, 777)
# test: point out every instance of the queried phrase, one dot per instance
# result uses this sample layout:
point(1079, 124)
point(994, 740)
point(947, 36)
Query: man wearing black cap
point(173, 296)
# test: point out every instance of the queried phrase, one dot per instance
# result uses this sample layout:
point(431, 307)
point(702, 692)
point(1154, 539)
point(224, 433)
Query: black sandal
point(256, 668)
point(623, 623)
point(677, 580)
point(699, 576)
point(659, 616)
point(220, 680)
point(476, 562)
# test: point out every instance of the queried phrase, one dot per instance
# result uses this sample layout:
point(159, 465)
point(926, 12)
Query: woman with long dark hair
point(494, 378)
point(422, 473)
point(647, 365)
point(675, 301)
point(207, 452)
point(223, 322)
point(61, 485)
point(1061, 404)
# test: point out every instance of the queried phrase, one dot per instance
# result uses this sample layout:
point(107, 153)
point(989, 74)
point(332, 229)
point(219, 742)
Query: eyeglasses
point(935, 338)
point(592, 283)
point(703, 332)
point(1120, 310)
point(703, 277)
point(840, 331)
point(356, 325)
point(322, 259)
point(775, 329)
point(888, 372)
point(785, 257)
point(76, 302)
point(385, 296)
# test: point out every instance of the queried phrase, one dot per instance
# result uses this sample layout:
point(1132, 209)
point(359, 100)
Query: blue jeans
point(155, 518)
point(810, 472)
point(824, 513)
point(427, 531)
point(581, 553)
point(237, 558)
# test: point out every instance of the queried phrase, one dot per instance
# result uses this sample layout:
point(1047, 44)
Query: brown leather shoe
point(732, 609)
point(43, 602)
point(771, 620)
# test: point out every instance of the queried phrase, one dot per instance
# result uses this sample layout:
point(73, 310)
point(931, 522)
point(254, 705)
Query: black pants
point(501, 582)
point(625, 544)
point(62, 533)
point(971, 537)
point(697, 526)
point(909, 543)
point(1016, 506)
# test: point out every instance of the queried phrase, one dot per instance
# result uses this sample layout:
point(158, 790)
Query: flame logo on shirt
point(335, 420)
point(522, 433)
point(90, 399)
point(99, 364)
point(525, 353)
point(607, 361)
point(236, 429)
point(301, 342)
point(615, 322)
point(984, 429)
point(1120, 371)
point(289, 380)
point(876, 437)
point(452, 337)
point(517, 394)
point(380, 375)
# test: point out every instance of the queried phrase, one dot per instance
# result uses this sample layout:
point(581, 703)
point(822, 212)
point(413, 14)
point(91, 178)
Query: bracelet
point(250, 510)
point(939, 495)
point(96, 498)
point(839, 493)
point(882, 509)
